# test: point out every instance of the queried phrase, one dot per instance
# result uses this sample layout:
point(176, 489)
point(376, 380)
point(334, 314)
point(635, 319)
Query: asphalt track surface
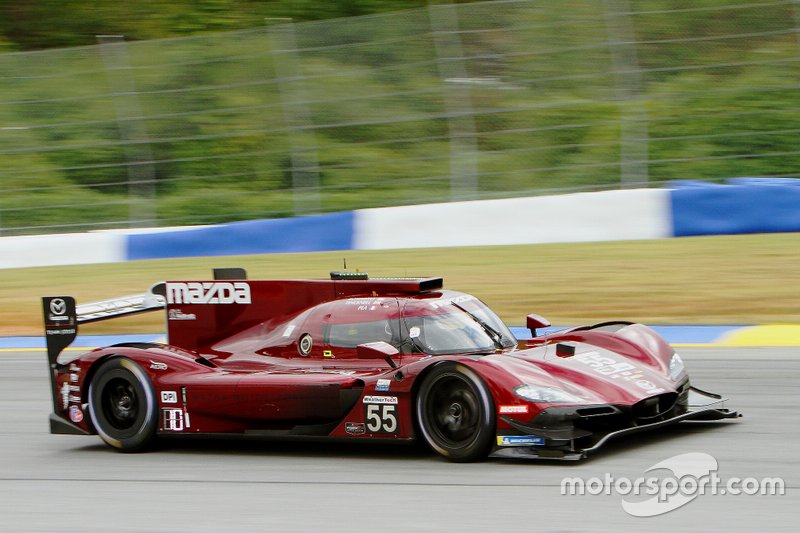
point(70, 483)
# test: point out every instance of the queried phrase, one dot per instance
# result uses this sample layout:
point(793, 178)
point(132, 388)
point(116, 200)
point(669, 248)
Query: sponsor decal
point(648, 386)
point(289, 329)
point(392, 400)
point(449, 301)
point(414, 332)
point(380, 414)
point(74, 377)
point(75, 414)
point(327, 353)
point(513, 409)
point(613, 369)
point(383, 385)
point(173, 419)
point(65, 395)
point(63, 331)
point(156, 365)
point(305, 344)
point(519, 440)
point(364, 304)
point(169, 396)
point(354, 428)
point(606, 366)
point(74, 399)
point(57, 309)
point(327, 371)
point(208, 292)
point(177, 314)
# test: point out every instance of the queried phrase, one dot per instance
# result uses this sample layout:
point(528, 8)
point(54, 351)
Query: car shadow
point(396, 451)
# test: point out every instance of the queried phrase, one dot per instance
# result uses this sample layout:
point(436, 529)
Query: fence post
point(304, 160)
point(457, 100)
point(132, 131)
point(633, 114)
point(796, 16)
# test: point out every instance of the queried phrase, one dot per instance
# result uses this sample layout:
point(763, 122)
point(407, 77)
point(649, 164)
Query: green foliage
point(43, 24)
point(228, 123)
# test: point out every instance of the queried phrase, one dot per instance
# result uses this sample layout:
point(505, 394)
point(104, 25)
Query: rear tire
point(455, 413)
point(122, 405)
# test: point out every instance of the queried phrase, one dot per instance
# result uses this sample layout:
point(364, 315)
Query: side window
point(360, 320)
point(353, 334)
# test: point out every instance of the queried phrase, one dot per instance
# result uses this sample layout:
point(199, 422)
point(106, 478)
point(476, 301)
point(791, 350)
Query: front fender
point(631, 340)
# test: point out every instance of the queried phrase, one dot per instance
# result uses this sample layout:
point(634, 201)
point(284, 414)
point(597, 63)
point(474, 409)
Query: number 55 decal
point(380, 414)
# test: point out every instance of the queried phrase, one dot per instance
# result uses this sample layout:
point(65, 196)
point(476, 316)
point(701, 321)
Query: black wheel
point(455, 413)
point(122, 405)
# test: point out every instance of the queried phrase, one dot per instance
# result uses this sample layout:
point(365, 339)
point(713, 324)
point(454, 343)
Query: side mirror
point(377, 350)
point(536, 321)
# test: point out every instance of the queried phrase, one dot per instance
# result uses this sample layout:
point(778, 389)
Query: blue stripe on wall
point(301, 234)
point(745, 206)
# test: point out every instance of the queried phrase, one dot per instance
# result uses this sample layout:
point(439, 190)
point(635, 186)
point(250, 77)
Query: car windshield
point(462, 324)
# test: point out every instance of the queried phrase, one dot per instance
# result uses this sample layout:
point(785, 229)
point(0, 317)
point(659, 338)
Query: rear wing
point(124, 305)
point(62, 316)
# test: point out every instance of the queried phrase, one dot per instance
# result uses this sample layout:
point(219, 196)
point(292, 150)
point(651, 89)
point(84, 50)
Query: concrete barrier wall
point(65, 249)
point(689, 208)
point(598, 216)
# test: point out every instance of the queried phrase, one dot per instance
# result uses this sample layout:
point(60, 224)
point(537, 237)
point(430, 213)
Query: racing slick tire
point(122, 405)
point(455, 413)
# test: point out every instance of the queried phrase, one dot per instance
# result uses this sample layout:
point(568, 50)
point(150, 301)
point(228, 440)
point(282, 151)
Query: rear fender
point(162, 364)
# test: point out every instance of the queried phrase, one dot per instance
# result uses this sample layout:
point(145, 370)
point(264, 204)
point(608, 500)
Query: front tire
point(455, 413)
point(122, 405)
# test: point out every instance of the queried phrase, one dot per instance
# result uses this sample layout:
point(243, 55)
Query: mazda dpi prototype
point(362, 359)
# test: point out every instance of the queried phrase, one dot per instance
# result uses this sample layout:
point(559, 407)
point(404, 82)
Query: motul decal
point(513, 409)
point(208, 292)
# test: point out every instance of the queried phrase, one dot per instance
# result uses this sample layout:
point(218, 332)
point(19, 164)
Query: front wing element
point(702, 406)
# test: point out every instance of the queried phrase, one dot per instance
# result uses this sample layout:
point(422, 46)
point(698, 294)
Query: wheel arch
point(148, 386)
point(423, 376)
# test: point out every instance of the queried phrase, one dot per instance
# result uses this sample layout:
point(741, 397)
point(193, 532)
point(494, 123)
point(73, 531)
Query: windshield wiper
point(492, 333)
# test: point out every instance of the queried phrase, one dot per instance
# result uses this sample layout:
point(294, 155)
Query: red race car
point(362, 359)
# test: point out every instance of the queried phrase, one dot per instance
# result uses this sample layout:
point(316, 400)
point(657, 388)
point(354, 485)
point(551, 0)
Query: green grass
point(744, 279)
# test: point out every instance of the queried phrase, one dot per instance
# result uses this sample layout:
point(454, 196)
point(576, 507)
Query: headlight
point(536, 393)
point(676, 367)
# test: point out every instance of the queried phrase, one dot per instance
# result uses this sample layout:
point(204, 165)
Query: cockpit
point(454, 325)
point(443, 323)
